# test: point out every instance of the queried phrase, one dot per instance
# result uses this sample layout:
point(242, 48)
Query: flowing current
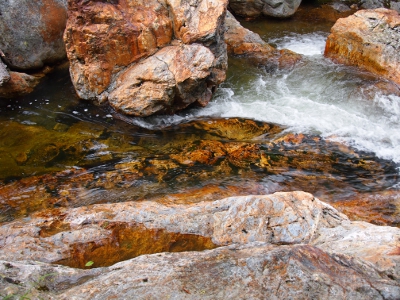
point(337, 102)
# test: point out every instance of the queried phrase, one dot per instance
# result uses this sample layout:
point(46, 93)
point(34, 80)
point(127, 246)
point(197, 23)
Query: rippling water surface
point(319, 97)
point(58, 151)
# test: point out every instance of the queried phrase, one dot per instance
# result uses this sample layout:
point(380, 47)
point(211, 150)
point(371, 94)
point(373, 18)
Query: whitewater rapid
point(319, 97)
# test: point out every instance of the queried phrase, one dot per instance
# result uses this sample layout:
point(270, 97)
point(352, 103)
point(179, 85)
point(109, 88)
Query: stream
point(323, 128)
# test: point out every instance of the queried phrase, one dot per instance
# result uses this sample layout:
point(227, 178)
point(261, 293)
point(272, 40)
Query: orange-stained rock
point(19, 84)
point(110, 47)
point(295, 226)
point(381, 208)
point(369, 39)
point(243, 42)
point(31, 32)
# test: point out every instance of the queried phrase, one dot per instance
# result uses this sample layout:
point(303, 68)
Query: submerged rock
point(31, 32)
point(273, 8)
point(243, 42)
point(146, 58)
point(369, 39)
point(285, 244)
point(252, 156)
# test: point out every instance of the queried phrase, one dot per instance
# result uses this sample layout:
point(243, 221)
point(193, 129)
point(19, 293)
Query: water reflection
point(58, 151)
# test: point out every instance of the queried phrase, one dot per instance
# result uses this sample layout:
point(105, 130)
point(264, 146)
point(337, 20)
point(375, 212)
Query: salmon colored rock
point(243, 42)
point(369, 39)
point(291, 242)
point(117, 53)
point(19, 84)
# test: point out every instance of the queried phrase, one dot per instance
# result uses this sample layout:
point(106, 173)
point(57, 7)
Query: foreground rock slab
point(255, 270)
point(285, 245)
point(106, 234)
point(369, 39)
point(146, 58)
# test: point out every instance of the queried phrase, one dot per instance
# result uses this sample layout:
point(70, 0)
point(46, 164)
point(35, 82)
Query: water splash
point(317, 97)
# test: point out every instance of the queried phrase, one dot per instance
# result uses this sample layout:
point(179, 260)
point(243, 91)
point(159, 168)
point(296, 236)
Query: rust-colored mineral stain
point(53, 228)
point(55, 18)
point(127, 241)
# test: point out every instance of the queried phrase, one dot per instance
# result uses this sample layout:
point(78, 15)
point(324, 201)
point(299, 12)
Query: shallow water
point(337, 136)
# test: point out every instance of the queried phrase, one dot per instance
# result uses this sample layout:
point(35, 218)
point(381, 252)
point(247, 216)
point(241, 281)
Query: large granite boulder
point(256, 8)
point(146, 57)
point(243, 42)
point(369, 39)
point(285, 245)
point(31, 32)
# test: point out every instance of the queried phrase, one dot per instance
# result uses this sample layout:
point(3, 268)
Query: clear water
point(56, 150)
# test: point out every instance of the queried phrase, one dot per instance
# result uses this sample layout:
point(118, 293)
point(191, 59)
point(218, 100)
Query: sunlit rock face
point(146, 57)
point(245, 43)
point(31, 32)
point(287, 242)
point(369, 39)
point(256, 8)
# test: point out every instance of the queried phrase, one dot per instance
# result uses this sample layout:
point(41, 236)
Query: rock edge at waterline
point(285, 245)
point(369, 39)
point(145, 58)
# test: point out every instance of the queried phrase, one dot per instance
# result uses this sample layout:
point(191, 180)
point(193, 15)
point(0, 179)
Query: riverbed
point(321, 127)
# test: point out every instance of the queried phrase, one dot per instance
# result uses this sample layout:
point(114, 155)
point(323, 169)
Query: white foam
point(307, 44)
point(317, 97)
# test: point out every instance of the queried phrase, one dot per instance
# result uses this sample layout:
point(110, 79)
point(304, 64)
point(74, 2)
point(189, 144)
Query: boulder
point(256, 8)
point(19, 84)
point(146, 57)
point(285, 245)
point(31, 32)
point(243, 42)
point(369, 39)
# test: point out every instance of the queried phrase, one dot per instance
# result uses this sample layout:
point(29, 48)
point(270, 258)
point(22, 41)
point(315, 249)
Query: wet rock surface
point(118, 52)
point(369, 39)
point(285, 244)
point(369, 207)
point(243, 42)
point(31, 32)
point(273, 8)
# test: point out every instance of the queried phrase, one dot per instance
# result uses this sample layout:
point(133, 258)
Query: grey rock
point(31, 32)
point(273, 8)
point(251, 271)
point(4, 75)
